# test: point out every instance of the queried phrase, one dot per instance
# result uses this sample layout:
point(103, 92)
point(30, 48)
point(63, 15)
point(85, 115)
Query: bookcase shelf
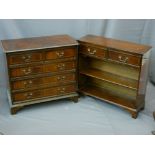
point(111, 78)
point(108, 96)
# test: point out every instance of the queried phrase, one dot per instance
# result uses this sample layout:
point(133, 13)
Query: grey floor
point(89, 116)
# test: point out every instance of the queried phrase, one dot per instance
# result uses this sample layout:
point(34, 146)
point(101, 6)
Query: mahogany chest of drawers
point(114, 71)
point(41, 69)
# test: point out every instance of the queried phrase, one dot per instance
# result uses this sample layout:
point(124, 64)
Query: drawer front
point(47, 68)
point(24, 58)
point(60, 53)
point(25, 71)
point(60, 90)
point(36, 82)
point(55, 91)
point(125, 58)
point(17, 85)
point(27, 95)
point(63, 78)
point(59, 67)
point(93, 51)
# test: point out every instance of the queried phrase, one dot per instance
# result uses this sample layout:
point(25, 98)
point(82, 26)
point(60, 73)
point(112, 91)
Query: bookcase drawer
point(93, 51)
point(125, 58)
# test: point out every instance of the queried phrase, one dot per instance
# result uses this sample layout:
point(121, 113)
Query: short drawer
point(25, 71)
point(59, 67)
point(125, 58)
point(23, 58)
point(43, 81)
point(60, 53)
point(54, 91)
point(27, 95)
point(60, 90)
point(93, 51)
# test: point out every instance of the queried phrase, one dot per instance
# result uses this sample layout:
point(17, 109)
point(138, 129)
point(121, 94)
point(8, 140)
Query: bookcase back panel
point(114, 68)
point(115, 89)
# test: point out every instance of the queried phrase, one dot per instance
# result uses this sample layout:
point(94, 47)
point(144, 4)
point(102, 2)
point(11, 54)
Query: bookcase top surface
point(116, 44)
point(24, 44)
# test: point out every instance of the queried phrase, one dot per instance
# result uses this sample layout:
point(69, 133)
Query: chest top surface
point(115, 44)
point(26, 44)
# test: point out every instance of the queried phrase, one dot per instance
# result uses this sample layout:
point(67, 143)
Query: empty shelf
point(110, 77)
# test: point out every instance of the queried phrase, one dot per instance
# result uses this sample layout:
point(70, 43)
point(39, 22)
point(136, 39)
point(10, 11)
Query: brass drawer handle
point(123, 60)
point(88, 49)
point(27, 71)
point(61, 66)
point(61, 77)
point(28, 83)
point(28, 95)
point(91, 52)
point(62, 90)
point(27, 58)
point(60, 54)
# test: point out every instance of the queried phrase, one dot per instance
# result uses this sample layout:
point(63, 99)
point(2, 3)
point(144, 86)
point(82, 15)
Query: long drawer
point(43, 81)
point(54, 91)
point(37, 56)
point(46, 68)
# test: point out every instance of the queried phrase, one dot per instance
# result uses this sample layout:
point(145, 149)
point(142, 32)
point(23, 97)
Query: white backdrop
point(89, 116)
point(140, 31)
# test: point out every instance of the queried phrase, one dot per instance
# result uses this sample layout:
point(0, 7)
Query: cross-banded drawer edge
point(45, 81)
point(29, 57)
point(112, 55)
point(53, 91)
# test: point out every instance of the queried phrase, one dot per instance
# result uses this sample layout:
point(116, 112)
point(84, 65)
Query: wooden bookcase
point(114, 71)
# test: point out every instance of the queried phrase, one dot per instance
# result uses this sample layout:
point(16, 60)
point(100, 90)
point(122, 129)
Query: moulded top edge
point(26, 44)
point(116, 44)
